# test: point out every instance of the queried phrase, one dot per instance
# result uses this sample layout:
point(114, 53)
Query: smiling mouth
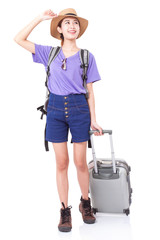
point(72, 32)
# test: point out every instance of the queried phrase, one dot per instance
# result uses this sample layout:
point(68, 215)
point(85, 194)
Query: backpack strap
point(52, 55)
point(84, 57)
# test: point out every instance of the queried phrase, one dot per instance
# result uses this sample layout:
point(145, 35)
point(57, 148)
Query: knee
point(62, 164)
point(80, 165)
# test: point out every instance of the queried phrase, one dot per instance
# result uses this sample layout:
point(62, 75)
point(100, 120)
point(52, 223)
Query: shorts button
point(65, 97)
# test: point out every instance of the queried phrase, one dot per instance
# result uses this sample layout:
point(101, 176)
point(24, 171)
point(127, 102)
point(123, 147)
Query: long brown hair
point(61, 34)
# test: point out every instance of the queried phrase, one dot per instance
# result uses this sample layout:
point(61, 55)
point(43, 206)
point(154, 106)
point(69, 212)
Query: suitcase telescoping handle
point(112, 150)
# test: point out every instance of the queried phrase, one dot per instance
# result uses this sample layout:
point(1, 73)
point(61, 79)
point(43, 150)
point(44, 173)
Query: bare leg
point(62, 162)
point(82, 168)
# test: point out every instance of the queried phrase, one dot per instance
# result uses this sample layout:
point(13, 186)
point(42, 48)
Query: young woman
point(67, 108)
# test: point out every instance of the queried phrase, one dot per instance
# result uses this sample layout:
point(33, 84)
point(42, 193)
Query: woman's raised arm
point(21, 37)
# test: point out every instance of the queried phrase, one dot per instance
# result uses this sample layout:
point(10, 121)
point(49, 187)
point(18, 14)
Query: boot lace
point(87, 208)
point(65, 213)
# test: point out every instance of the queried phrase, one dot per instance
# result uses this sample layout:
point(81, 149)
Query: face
point(70, 28)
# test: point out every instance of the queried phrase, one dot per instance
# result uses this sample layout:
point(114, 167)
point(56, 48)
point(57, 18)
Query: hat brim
point(54, 23)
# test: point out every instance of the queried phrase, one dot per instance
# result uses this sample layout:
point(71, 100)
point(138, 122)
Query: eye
point(76, 22)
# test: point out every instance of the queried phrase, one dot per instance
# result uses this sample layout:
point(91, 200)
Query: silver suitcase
point(109, 182)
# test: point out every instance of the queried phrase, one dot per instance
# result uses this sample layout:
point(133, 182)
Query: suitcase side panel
point(110, 195)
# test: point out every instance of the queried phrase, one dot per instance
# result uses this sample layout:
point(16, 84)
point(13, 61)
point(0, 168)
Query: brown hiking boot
point(65, 223)
point(86, 210)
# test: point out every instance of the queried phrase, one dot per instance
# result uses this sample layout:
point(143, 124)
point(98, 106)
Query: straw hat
point(70, 12)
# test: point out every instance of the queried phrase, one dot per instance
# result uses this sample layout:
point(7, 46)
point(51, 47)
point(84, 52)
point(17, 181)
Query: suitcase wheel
point(94, 210)
point(126, 211)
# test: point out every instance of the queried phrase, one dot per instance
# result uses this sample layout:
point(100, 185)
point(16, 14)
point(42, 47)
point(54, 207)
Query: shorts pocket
point(83, 108)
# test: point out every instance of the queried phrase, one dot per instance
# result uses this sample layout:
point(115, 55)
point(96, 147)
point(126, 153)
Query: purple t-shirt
point(69, 81)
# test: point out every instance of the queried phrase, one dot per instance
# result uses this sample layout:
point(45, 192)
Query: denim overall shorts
point(66, 112)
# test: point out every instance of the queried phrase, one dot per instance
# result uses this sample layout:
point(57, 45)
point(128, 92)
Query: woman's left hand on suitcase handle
point(95, 126)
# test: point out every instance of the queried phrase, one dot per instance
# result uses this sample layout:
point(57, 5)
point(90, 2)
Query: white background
point(125, 40)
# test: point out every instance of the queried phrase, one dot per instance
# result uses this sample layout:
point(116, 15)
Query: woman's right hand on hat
point(48, 14)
